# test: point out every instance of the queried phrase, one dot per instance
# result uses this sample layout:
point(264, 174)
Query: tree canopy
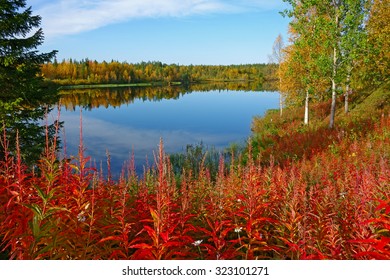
point(87, 71)
point(333, 44)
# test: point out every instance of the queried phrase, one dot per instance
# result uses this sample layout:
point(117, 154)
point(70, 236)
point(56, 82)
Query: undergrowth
point(324, 194)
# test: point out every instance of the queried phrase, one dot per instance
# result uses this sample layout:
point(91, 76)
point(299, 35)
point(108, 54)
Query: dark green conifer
point(20, 36)
point(24, 95)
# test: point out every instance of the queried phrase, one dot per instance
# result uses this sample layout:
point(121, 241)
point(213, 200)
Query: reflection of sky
point(214, 118)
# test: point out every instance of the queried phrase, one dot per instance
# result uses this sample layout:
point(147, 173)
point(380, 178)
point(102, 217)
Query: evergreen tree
point(23, 94)
point(20, 60)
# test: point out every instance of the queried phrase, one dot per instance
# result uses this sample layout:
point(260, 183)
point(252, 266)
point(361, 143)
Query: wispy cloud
point(101, 135)
point(64, 17)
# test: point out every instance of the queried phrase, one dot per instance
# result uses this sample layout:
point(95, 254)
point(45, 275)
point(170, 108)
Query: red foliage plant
point(335, 205)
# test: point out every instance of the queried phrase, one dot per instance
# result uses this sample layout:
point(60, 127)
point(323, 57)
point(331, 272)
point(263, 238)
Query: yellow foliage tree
point(378, 28)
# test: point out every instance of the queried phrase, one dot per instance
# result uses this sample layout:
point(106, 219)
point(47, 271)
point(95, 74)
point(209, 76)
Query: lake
point(123, 121)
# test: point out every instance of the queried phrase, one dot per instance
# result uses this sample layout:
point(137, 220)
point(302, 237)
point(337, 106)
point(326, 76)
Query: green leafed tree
point(353, 42)
point(346, 29)
point(308, 58)
point(338, 25)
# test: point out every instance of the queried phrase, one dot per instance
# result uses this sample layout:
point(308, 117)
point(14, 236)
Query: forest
point(311, 183)
point(73, 72)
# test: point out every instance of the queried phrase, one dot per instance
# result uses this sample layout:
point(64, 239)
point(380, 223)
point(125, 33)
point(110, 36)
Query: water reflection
point(90, 98)
point(122, 120)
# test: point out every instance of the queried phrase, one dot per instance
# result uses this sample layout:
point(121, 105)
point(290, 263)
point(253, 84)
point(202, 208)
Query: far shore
point(117, 85)
point(146, 84)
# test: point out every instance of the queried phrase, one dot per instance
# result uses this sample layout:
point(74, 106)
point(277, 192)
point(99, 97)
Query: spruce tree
point(23, 93)
point(20, 36)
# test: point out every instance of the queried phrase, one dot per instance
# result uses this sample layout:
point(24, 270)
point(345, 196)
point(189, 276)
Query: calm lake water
point(126, 120)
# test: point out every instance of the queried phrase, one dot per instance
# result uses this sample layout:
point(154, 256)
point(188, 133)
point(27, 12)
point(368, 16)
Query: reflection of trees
point(236, 86)
point(115, 97)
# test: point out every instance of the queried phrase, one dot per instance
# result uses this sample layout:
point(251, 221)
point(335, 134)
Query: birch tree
point(338, 25)
point(308, 56)
point(352, 42)
point(278, 57)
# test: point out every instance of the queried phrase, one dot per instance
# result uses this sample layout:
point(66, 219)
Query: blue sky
point(171, 31)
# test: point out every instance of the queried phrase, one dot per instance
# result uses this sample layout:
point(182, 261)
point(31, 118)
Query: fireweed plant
point(333, 204)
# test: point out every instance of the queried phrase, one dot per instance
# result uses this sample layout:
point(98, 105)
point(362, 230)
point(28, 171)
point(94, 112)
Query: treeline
point(336, 48)
point(86, 71)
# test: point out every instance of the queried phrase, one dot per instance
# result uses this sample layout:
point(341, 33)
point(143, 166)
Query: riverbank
point(90, 86)
point(87, 72)
point(70, 85)
point(283, 139)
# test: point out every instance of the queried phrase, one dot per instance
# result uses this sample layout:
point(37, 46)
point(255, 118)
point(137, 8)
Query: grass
point(298, 193)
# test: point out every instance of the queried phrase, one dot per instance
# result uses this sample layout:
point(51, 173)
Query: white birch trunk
point(280, 97)
point(347, 93)
point(334, 75)
point(306, 119)
point(346, 109)
point(334, 88)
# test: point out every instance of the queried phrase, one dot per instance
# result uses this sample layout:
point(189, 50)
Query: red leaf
point(142, 246)
point(118, 238)
point(164, 236)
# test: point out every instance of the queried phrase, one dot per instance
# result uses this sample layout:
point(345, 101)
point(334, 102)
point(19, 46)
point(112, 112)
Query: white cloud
point(101, 135)
point(64, 17)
